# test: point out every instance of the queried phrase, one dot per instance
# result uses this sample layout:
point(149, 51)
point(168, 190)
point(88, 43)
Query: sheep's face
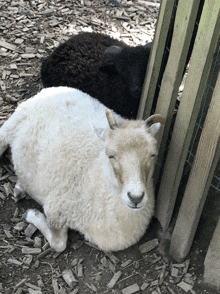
point(131, 152)
point(130, 63)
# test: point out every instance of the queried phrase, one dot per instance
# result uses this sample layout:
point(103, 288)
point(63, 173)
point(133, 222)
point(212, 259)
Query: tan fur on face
point(131, 139)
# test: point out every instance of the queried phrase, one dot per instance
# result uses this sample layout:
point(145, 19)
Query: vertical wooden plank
point(183, 28)
point(155, 59)
point(203, 168)
point(212, 260)
point(201, 60)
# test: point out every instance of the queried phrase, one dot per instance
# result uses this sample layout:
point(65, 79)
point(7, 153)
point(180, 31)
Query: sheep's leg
point(57, 238)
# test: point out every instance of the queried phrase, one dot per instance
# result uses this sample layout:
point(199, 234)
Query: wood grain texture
point(212, 260)
point(201, 60)
point(183, 28)
point(155, 59)
point(204, 165)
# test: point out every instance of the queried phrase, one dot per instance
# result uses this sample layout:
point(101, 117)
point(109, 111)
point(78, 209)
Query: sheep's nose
point(135, 199)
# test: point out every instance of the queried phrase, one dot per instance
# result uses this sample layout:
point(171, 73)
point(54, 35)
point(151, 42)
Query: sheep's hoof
point(56, 237)
point(59, 247)
point(33, 215)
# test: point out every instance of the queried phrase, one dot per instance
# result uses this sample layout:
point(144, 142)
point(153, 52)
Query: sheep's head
point(130, 63)
point(131, 149)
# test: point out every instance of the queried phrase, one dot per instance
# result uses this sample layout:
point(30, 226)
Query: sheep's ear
point(154, 122)
point(154, 128)
point(100, 132)
point(109, 59)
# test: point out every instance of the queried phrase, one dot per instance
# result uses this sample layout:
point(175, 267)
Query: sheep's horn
point(113, 49)
point(155, 118)
point(111, 120)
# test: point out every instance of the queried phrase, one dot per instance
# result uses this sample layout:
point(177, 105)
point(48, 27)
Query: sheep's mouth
point(135, 207)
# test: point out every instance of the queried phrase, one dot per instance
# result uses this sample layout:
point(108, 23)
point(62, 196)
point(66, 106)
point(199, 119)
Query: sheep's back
point(76, 60)
point(78, 63)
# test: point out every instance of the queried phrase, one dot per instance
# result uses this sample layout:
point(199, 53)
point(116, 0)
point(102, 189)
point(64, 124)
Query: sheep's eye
point(110, 154)
point(153, 155)
point(111, 157)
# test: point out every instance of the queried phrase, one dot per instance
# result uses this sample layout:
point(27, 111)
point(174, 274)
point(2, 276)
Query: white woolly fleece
point(62, 164)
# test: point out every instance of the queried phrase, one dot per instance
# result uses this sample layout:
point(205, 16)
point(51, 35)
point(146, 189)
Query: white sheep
point(87, 176)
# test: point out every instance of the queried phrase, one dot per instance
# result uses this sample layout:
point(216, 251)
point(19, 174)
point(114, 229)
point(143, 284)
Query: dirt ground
point(29, 31)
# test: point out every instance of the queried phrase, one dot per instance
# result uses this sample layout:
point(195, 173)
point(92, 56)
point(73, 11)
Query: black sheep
point(103, 67)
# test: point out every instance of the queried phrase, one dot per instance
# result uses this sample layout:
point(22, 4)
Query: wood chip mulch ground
point(29, 31)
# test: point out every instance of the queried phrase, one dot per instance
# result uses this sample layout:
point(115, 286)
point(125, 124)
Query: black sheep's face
point(131, 64)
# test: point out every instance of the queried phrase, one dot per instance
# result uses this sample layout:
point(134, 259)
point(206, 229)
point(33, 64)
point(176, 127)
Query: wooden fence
point(170, 168)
